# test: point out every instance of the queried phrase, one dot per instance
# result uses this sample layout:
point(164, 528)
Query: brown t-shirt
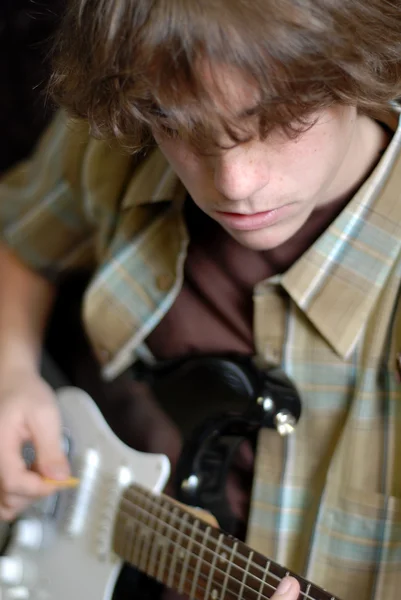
point(214, 310)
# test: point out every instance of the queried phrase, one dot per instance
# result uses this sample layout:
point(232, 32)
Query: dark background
point(26, 30)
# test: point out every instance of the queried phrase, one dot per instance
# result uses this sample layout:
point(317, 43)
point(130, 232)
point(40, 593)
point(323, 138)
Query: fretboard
point(186, 554)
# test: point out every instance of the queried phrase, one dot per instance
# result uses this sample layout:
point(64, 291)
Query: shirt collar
point(337, 281)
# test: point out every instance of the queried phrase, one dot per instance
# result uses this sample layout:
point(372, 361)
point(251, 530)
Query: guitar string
point(224, 547)
point(202, 576)
point(153, 501)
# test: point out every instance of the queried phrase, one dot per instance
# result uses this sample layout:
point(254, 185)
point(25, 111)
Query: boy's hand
point(28, 413)
point(287, 590)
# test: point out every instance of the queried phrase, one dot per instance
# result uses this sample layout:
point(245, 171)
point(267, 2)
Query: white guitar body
point(71, 533)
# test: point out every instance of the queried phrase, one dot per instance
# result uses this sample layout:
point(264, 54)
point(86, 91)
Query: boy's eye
point(163, 124)
point(168, 130)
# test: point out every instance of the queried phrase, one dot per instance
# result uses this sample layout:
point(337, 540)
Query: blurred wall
point(26, 27)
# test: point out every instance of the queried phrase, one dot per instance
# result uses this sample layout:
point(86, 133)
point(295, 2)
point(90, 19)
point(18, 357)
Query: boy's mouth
point(248, 222)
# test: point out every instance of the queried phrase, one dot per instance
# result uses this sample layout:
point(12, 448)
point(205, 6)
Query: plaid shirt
point(327, 500)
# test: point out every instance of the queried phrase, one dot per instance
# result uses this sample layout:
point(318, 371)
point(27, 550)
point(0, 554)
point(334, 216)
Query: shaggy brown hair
point(130, 66)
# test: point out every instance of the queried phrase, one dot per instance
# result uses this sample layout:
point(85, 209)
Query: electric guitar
point(73, 544)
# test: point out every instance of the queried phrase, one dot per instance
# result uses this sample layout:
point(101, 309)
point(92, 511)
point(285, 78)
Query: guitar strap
point(218, 401)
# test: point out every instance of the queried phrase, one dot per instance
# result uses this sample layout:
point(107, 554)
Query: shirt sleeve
point(42, 211)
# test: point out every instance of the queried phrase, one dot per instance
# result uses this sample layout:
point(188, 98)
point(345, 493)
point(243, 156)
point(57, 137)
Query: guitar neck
point(173, 546)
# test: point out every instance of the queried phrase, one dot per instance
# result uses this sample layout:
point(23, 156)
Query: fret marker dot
point(223, 557)
point(215, 595)
point(181, 555)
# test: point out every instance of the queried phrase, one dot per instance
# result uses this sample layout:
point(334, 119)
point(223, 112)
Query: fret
point(130, 538)
point(178, 552)
point(121, 535)
point(307, 592)
point(230, 564)
point(141, 533)
point(160, 544)
point(170, 527)
point(245, 575)
point(149, 536)
point(137, 546)
point(199, 560)
point(212, 570)
point(162, 561)
point(193, 530)
point(144, 553)
point(266, 572)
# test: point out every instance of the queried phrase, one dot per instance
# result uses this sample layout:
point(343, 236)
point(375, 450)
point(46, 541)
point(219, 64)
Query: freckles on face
point(310, 164)
point(281, 167)
point(264, 175)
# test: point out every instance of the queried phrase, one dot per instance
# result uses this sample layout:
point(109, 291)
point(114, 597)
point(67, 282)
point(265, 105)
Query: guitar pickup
point(47, 507)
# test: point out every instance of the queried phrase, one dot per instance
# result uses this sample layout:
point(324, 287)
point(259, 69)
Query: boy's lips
point(245, 222)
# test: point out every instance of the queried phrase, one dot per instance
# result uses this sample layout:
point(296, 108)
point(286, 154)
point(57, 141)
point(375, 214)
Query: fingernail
point(285, 586)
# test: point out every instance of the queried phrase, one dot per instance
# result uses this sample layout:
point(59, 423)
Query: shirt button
point(398, 367)
point(104, 354)
point(164, 282)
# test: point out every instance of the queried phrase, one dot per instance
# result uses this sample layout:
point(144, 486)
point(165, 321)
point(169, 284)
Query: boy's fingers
point(287, 590)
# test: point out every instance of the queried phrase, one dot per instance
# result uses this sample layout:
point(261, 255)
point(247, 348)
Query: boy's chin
point(261, 239)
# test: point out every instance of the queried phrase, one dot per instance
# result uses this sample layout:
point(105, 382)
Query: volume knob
point(11, 570)
point(28, 533)
point(16, 572)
